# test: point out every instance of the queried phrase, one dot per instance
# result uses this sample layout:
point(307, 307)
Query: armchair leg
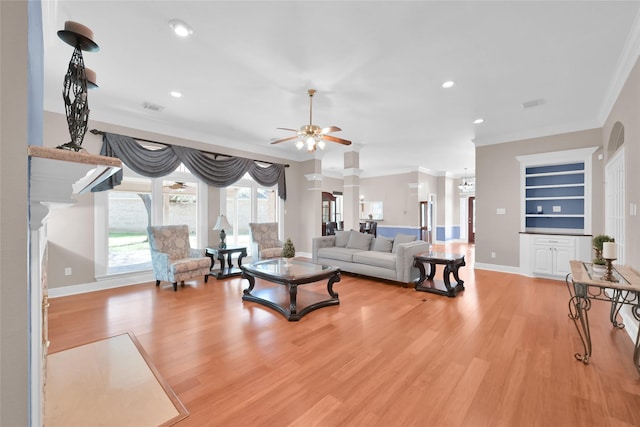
point(206, 277)
point(175, 286)
point(157, 283)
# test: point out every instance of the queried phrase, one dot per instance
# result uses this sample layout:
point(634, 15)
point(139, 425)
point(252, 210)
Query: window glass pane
point(239, 215)
point(128, 218)
point(180, 206)
point(267, 203)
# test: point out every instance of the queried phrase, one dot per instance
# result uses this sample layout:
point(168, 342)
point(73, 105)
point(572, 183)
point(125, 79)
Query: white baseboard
point(630, 324)
point(100, 285)
point(497, 267)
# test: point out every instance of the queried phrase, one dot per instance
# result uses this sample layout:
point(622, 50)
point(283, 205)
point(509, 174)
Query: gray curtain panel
point(161, 162)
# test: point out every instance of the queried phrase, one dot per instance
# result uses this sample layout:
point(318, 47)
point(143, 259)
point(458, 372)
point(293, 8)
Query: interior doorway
point(426, 221)
point(471, 220)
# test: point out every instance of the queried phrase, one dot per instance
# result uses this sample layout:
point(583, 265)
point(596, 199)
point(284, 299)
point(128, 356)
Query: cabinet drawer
point(555, 241)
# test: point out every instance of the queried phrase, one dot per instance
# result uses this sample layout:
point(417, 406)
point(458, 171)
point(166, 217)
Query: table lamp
point(221, 224)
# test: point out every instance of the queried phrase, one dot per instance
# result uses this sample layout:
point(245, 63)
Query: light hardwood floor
point(499, 354)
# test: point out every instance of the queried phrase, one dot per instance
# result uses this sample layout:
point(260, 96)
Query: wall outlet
point(557, 208)
point(67, 271)
point(493, 255)
point(501, 211)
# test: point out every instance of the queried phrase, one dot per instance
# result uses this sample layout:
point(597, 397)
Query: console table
point(586, 285)
point(451, 262)
point(229, 270)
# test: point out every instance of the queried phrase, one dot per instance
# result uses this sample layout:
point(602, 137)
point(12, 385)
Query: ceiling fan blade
point(336, 139)
point(292, 130)
point(285, 139)
point(330, 129)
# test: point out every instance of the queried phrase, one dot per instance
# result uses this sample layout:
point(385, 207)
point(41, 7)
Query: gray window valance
point(161, 162)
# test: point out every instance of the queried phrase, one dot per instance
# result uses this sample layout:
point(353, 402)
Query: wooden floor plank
point(500, 353)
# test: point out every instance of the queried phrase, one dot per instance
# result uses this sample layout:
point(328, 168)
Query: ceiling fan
point(177, 185)
point(311, 135)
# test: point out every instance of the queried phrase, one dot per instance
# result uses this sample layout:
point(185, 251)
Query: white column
point(351, 196)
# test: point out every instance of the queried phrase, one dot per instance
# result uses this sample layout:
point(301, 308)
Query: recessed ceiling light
point(448, 84)
point(478, 121)
point(176, 94)
point(180, 28)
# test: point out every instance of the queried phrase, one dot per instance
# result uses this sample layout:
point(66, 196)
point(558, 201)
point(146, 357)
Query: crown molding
point(626, 62)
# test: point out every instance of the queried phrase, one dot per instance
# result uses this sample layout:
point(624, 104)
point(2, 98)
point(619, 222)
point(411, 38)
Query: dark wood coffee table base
point(290, 311)
point(451, 262)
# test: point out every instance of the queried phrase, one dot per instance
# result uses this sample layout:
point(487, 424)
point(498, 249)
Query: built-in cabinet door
point(542, 261)
point(562, 257)
point(552, 256)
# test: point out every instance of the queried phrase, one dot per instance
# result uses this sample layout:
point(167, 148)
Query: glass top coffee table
point(290, 273)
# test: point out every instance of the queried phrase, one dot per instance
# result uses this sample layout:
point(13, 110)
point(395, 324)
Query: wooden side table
point(226, 270)
point(451, 262)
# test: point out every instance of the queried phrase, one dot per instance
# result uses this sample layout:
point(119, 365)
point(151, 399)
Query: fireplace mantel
point(59, 175)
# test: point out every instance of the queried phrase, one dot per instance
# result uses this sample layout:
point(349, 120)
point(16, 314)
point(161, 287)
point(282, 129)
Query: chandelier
point(467, 186)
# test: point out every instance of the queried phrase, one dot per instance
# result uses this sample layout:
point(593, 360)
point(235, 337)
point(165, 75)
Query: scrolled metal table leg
point(635, 310)
point(617, 301)
point(578, 309)
point(569, 281)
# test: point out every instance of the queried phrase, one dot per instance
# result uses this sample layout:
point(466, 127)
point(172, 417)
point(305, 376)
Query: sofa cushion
point(401, 238)
point(375, 258)
point(340, 254)
point(382, 244)
point(342, 237)
point(359, 240)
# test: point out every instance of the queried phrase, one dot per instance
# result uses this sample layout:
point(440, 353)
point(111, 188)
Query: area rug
point(110, 382)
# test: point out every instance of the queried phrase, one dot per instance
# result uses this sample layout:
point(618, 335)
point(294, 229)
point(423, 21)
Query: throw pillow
point(401, 238)
point(359, 240)
point(342, 237)
point(382, 244)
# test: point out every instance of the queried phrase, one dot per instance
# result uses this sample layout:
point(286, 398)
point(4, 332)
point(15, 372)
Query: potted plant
point(288, 250)
point(597, 242)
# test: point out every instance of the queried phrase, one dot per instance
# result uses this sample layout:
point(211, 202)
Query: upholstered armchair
point(173, 258)
point(264, 240)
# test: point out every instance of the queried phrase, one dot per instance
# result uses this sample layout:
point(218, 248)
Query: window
point(123, 214)
point(128, 217)
point(180, 206)
point(247, 202)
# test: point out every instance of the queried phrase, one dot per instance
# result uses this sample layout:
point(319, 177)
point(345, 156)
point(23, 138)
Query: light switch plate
point(501, 211)
point(557, 209)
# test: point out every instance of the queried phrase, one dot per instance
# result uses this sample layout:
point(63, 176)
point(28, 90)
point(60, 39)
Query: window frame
point(247, 181)
point(101, 218)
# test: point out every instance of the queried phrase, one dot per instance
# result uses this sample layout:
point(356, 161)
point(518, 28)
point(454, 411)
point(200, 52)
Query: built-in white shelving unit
point(555, 211)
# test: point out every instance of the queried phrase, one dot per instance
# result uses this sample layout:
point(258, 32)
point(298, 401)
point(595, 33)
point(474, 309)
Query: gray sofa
point(359, 253)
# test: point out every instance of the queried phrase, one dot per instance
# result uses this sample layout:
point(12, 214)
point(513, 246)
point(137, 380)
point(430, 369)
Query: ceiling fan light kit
point(313, 136)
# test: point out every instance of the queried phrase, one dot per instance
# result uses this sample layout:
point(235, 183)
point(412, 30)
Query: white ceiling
point(378, 67)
